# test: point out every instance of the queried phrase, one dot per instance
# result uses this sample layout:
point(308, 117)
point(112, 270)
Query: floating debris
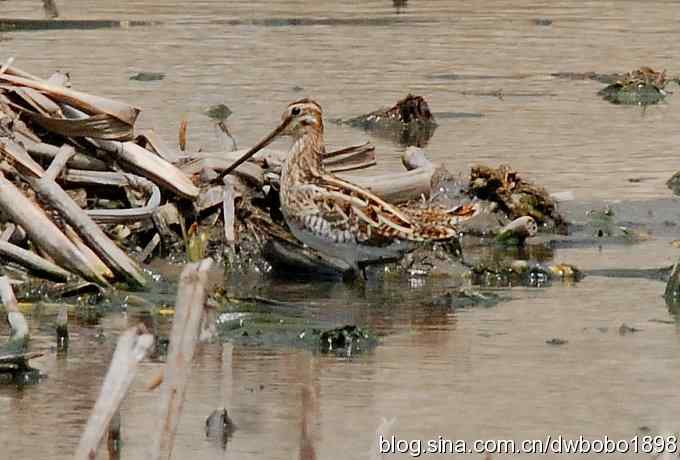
point(556, 341)
point(543, 22)
point(148, 76)
point(218, 112)
point(625, 329)
point(637, 180)
point(15, 367)
point(674, 183)
point(409, 121)
point(345, 340)
point(515, 196)
point(643, 86)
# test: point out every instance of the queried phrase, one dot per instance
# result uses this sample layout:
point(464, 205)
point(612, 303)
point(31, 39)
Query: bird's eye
point(295, 111)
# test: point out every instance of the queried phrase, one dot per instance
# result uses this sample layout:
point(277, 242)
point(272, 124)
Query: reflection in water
point(438, 370)
point(399, 5)
point(310, 410)
point(50, 7)
point(219, 427)
point(113, 437)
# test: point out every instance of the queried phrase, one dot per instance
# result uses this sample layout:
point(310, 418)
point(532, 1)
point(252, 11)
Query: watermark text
point(639, 444)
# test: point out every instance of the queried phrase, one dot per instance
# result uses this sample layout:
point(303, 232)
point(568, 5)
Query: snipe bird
point(337, 217)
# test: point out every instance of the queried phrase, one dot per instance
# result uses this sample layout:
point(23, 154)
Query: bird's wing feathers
point(342, 211)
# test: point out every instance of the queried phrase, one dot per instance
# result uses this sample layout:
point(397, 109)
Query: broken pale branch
point(32, 262)
point(16, 319)
point(66, 152)
point(132, 347)
point(43, 232)
point(122, 180)
point(397, 187)
point(228, 212)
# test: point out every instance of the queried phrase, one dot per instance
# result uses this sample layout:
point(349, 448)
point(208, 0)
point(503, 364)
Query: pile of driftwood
point(83, 195)
point(62, 151)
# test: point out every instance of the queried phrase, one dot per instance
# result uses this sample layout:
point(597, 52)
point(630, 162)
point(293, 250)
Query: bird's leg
point(364, 275)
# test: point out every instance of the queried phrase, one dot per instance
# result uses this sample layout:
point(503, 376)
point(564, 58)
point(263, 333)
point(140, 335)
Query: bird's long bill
point(257, 147)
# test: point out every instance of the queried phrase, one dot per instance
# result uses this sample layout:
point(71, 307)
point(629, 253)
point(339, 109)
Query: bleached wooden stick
point(132, 347)
point(16, 319)
point(42, 231)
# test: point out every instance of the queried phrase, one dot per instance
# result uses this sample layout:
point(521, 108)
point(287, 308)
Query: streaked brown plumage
point(325, 211)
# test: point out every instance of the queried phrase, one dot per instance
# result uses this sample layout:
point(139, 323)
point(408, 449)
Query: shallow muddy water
point(477, 373)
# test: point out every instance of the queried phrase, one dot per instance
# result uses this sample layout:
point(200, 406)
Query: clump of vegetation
point(642, 86)
point(409, 121)
point(515, 196)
